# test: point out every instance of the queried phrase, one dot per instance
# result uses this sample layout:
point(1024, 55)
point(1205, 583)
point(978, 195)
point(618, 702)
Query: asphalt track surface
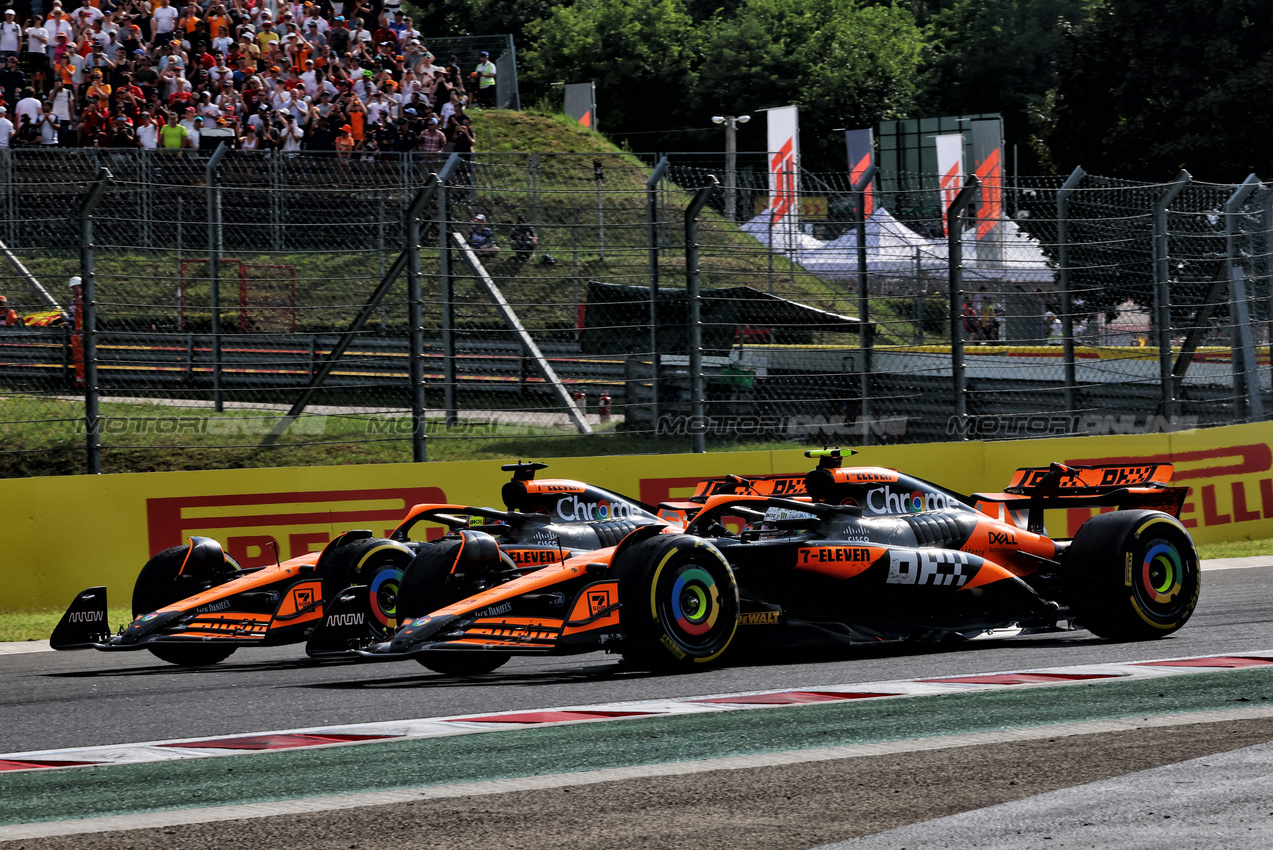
point(927, 772)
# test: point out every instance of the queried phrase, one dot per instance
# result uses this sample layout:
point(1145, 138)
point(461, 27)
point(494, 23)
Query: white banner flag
point(784, 175)
point(950, 168)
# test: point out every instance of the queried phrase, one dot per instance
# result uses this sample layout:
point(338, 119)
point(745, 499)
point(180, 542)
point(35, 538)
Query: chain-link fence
point(244, 308)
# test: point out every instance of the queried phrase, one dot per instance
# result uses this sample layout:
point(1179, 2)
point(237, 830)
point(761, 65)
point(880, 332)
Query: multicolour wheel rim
point(695, 601)
point(1161, 573)
point(384, 597)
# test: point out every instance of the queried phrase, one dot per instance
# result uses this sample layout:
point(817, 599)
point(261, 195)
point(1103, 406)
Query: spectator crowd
point(320, 75)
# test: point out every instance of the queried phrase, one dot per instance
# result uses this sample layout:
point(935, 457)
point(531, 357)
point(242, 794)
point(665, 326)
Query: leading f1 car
point(840, 556)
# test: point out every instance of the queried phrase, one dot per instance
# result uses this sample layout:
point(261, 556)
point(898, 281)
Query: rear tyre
point(1132, 575)
point(162, 582)
point(679, 602)
point(376, 562)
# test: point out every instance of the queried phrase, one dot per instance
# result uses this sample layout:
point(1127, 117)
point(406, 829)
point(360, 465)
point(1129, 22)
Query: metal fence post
point(415, 323)
point(694, 318)
point(532, 188)
point(1245, 374)
point(10, 196)
point(145, 175)
point(215, 243)
point(1067, 292)
point(446, 280)
point(599, 176)
point(275, 166)
point(955, 262)
point(88, 322)
point(865, 340)
point(652, 225)
point(1266, 227)
point(1162, 292)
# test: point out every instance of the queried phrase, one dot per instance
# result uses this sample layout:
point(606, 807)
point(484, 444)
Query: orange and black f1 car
point(194, 605)
point(841, 556)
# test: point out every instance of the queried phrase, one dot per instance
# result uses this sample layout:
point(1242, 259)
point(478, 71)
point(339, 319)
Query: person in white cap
point(10, 35)
point(7, 130)
point(482, 238)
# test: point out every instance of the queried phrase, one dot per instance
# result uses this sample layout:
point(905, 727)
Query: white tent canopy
point(893, 247)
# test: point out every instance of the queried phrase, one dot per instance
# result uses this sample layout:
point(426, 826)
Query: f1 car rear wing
point(785, 485)
point(1036, 489)
point(1088, 479)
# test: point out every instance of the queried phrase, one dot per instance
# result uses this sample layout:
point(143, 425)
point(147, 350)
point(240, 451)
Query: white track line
point(561, 780)
point(473, 723)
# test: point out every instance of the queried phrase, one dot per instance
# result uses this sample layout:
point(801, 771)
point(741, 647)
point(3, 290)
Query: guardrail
point(251, 361)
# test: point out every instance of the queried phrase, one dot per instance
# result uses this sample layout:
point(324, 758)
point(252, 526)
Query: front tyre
point(679, 602)
point(452, 569)
point(1133, 575)
point(375, 562)
point(162, 581)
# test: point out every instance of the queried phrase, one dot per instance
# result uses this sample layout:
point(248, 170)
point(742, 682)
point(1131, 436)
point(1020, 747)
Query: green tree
point(845, 64)
point(1147, 88)
point(640, 53)
point(996, 56)
point(477, 17)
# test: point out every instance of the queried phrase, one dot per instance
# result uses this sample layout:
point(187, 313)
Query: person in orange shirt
point(345, 143)
point(63, 70)
point(8, 317)
point(76, 322)
point(217, 20)
point(100, 89)
point(190, 20)
point(357, 116)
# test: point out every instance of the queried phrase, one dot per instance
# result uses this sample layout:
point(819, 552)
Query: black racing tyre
point(376, 562)
point(679, 602)
point(451, 569)
point(159, 584)
point(446, 572)
point(1132, 575)
point(463, 663)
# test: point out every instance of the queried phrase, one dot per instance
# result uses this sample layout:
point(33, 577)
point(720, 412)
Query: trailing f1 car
point(847, 556)
point(194, 605)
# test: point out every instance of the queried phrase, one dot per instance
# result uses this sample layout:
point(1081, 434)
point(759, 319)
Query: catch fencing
point(247, 307)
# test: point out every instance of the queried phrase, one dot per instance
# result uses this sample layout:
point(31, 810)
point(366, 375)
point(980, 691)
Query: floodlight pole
point(1067, 291)
point(865, 340)
point(1162, 292)
point(730, 123)
point(955, 261)
point(694, 318)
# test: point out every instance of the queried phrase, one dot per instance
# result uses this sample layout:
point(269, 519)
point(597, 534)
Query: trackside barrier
point(117, 521)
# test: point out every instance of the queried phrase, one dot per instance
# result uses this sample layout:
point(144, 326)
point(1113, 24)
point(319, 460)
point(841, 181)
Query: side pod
point(344, 624)
point(84, 623)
